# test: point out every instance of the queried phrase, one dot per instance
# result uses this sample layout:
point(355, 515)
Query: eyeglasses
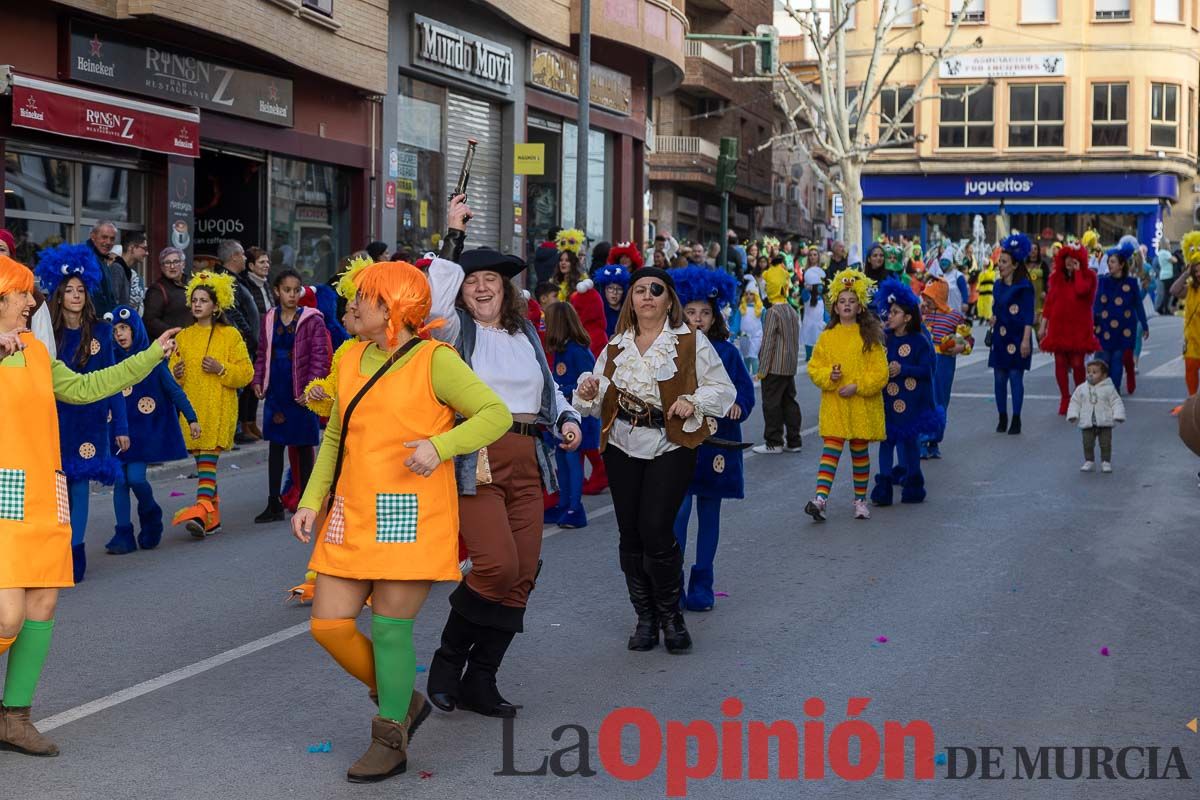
point(173, 262)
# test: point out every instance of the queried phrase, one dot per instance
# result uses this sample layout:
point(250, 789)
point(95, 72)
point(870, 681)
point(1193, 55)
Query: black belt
point(651, 418)
point(526, 429)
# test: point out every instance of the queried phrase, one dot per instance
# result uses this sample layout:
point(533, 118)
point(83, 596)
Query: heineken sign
point(116, 61)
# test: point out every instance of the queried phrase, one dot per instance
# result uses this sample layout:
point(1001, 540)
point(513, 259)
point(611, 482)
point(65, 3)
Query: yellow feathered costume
point(347, 287)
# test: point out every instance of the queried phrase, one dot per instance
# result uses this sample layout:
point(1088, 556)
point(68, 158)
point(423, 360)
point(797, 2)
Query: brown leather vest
point(682, 382)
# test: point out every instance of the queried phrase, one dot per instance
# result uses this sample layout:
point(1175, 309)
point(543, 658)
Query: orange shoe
point(184, 515)
point(303, 594)
point(1177, 410)
point(201, 519)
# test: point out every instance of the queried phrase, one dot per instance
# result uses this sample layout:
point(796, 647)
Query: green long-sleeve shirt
point(80, 389)
point(487, 418)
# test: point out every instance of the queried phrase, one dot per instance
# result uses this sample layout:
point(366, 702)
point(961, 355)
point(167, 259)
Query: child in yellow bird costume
point(849, 365)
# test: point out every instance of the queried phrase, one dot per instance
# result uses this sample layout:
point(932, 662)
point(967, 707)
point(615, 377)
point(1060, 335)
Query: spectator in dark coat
point(545, 258)
point(114, 286)
point(166, 299)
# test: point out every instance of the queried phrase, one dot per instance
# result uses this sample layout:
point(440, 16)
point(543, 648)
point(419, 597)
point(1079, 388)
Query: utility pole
point(583, 117)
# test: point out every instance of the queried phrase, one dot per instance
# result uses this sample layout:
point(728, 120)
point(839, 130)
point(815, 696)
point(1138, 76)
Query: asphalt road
point(181, 673)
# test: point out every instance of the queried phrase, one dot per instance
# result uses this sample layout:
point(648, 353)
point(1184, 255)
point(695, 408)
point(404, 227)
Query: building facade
point(690, 122)
point(1072, 115)
point(188, 121)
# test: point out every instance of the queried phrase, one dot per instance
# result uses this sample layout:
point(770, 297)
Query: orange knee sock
point(349, 648)
point(6, 643)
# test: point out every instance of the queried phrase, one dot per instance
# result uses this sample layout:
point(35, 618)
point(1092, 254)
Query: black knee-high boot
point(491, 628)
point(641, 596)
point(478, 690)
point(446, 666)
point(665, 577)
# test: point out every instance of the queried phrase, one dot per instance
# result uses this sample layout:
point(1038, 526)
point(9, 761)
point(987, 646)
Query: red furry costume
point(1070, 332)
point(589, 305)
point(630, 251)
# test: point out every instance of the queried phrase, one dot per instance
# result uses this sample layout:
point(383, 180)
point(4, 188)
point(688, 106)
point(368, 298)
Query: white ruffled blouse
point(640, 373)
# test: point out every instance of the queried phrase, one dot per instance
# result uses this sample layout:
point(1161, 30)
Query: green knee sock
point(395, 664)
point(25, 661)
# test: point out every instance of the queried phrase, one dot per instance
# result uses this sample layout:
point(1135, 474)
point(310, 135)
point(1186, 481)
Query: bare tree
point(824, 120)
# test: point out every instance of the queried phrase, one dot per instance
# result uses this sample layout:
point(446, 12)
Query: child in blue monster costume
point(153, 408)
point(910, 409)
point(719, 474)
point(70, 275)
point(611, 281)
point(569, 356)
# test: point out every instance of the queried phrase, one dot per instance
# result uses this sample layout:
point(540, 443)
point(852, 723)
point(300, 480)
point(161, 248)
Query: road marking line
point(1171, 369)
point(175, 676)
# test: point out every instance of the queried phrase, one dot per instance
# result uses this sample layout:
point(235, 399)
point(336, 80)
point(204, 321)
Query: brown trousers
point(502, 523)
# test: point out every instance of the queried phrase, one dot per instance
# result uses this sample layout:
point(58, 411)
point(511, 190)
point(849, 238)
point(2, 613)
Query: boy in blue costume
point(569, 357)
point(153, 408)
point(611, 281)
point(719, 474)
point(908, 399)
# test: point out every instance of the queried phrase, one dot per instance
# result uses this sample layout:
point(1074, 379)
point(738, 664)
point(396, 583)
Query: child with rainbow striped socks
point(849, 366)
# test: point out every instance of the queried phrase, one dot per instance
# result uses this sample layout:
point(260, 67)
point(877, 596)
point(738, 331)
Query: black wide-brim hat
point(483, 258)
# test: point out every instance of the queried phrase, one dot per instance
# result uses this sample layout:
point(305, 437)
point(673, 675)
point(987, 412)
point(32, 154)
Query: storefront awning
point(1083, 207)
point(930, 206)
point(83, 114)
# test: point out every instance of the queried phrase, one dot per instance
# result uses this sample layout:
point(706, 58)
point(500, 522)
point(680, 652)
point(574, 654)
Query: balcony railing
point(718, 58)
point(686, 145)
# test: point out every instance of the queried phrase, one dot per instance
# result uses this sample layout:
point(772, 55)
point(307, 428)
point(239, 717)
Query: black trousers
point(780, 410)
point(275, 455)
point(247, 405)
point(646, 497)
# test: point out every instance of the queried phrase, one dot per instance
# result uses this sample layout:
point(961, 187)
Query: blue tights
point(132, 476)
point(708, 518)
point(570, 480)
point(1006, 378)
point(1116, 366)
point(77, 496)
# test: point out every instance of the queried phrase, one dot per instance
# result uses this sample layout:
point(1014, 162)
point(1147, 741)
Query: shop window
point(1110, 115)
point(420, 174)
point(1035, 115)
point(597, 187)
point(49, 200)
point(309, 217)
point(1039, 11)
point(1112, 10)
point(1168, 11)
point(890, 103)
point(975, 12)
point(1164, 115)
point(967, 117)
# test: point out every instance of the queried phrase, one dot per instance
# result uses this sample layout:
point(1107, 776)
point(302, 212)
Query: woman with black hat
point(659, 390)
point(500, 486)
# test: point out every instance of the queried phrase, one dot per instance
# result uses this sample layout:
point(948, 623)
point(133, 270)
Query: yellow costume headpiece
point(777, 280)
point(1090, 240)
point(1190, 245)
point(347, 285)
point(852, 280)
point(570, 239)
point(220, 282)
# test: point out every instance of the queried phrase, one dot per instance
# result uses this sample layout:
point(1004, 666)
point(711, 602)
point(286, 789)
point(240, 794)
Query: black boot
point(641, 595)
point(477, 691)
point(446, 666)
point(1003, 426)
point(1015, 428)
point(272, 513)
point(664, 576)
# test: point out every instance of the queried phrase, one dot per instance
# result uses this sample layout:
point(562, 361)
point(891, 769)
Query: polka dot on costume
point(146, 405)
point(1117, 301)
point(893, 389)
point(1012, 348)
point(712, 426)
point(1104, 314)
point(1107, 335)
point(1014, 309)
point(560, 368)
point(1125, 288)
point(718, 464)
point(94, 347)
point(1114, 324)
point(899, 406)
point(1003, 331)
point(1128, 313)
point(87, 450)
point(128, 390)
point(1127, 333)
point(910, 384)
point(904, 350)
point(278, 418)
point(1103, 298)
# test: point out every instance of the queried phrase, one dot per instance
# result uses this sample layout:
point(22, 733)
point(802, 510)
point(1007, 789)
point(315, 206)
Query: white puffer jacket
point(1096, 406)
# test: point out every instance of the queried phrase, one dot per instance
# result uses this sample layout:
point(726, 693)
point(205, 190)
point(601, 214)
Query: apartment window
point(905, 13)
point(1035, 115)
point(1039, 10)
point(851, 99)
point(976, 11)
point(324, 6)
point(1168, 11)
point(1164, 115)
point(1191, 117)
point(967, 117)
point(1112, 9)
point(890, 103)
point(1110, 115)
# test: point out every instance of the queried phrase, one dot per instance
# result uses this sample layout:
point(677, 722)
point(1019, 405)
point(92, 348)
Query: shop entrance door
point(543, 190)
point(229, 201)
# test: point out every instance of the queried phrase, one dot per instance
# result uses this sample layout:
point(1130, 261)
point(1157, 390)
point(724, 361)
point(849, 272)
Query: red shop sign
point(71, 111)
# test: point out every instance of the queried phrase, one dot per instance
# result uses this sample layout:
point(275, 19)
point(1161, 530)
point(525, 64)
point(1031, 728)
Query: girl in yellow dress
point(211, 364)
point(849, 365)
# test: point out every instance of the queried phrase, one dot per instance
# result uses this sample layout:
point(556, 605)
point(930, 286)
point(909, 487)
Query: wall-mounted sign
point(451, 51)
point(555, 71)
point(101, 56)
point(1004, 65)
point(389, 194)
point(181, 207)
point(529, 159)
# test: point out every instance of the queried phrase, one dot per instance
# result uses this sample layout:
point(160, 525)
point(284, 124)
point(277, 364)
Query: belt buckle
point(634, 406)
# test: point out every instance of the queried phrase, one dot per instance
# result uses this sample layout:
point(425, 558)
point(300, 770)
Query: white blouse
point(640, 373)
point(507, 364)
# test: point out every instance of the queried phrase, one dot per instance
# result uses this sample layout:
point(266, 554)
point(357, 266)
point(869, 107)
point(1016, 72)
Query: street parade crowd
point(426, 421)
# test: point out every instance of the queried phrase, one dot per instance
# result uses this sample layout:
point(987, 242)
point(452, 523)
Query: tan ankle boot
point(386, 756)
point(419, 710)
point(18, 732)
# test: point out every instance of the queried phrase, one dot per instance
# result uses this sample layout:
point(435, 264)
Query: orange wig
point(403, 290)
point(14, 276)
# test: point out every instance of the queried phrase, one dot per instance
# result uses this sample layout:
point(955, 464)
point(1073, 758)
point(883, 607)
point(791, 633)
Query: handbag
point(327, 501)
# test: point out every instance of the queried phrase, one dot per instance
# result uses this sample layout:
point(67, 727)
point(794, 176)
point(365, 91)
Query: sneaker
point(767, 449)
point(815, 508)
point(860, 510)
point(1088, 466)
point(795, 449)
point(1105, 467)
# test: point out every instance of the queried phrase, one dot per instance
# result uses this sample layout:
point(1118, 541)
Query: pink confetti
point(722, 594)
point(1103, 651)
point(881, 639)
point(176, 494)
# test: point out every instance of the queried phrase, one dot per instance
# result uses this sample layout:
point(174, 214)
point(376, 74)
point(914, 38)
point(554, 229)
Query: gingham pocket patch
point(12, 494)
point(335, 532)
point(61, 498)
point(395, 518)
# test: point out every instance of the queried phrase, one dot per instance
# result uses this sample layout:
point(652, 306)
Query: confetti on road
point(881, 639)
point(940, 758)
point(323, 747)
point(422, 668)
point(425, 775)
point(722, 594)
point(177, 494)
point(1103, 651)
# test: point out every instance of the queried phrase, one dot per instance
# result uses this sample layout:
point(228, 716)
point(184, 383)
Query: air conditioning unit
point(971, 16)
point(1120, 13)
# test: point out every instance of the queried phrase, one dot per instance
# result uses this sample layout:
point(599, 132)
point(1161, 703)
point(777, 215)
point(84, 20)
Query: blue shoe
point(926, 451)
point(913, 490)
point(551, 516)
point(151, 520)
point(700, 590)
point(881, 495)
point(122, 541)
point(935, 451)
point(574, 518)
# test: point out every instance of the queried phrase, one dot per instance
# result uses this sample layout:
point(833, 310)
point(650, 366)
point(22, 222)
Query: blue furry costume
point(909, 405)
point(153, 408)
point(601, 278)
point(566, 366)
point(719, 471)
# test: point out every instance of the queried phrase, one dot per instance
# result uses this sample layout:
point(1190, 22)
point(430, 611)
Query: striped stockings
point(860, 462)
point(206, 472)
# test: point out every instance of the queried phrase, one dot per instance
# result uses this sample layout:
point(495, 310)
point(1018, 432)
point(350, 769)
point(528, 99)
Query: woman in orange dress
point(35, 532)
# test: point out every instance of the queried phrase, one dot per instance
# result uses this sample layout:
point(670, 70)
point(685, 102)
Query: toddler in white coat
point(1097, 408)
